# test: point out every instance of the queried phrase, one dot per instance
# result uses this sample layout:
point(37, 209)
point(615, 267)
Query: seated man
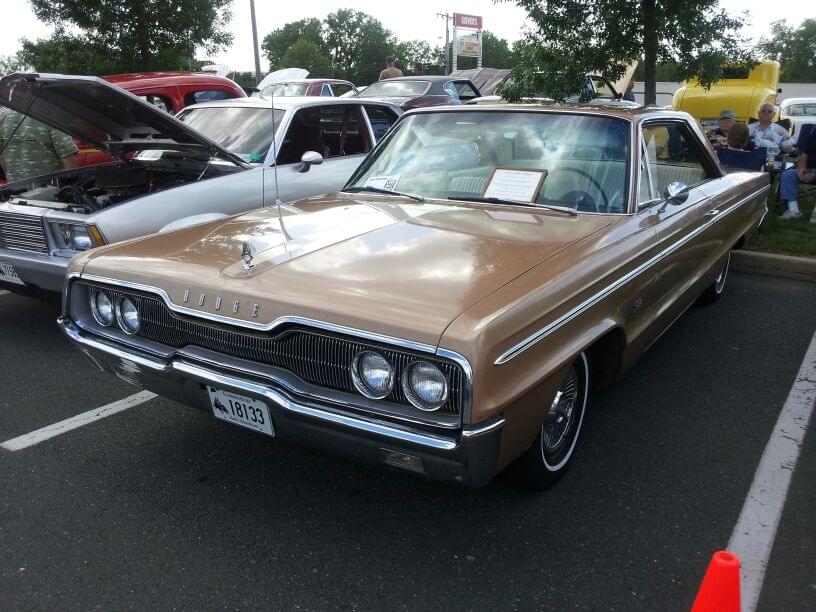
point(737, 137)
point(805, 172)
point(766, 133)
point(718, 136)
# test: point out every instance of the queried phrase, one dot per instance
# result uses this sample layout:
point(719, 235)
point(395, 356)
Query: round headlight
point(101, 307)
point(425, 386)
point(372, 374)
point(127, 316)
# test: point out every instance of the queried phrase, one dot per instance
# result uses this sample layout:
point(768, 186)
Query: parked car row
point(446, 311)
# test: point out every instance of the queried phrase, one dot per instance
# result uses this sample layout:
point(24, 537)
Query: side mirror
point(309, 159)
point(676, 191)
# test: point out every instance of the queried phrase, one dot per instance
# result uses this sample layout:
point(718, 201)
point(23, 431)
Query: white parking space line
point(51, 431)
point(754, 534)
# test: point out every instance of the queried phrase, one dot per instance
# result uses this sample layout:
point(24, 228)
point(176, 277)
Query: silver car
point(165, 174)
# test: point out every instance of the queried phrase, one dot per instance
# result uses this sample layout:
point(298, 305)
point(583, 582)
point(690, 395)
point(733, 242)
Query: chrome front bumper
point(464, 456)
point(37, 271)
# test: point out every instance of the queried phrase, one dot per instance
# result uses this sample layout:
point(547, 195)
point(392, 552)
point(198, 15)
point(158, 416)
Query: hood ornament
point(246, 255)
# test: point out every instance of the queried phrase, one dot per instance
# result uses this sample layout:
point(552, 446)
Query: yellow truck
point(742, 91)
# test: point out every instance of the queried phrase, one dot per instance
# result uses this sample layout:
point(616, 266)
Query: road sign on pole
point(470, 44)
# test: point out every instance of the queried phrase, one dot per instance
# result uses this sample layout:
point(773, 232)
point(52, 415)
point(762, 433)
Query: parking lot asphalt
point(164, 507)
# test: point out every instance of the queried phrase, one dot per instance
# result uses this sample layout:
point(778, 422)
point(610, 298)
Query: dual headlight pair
point(122, 310)
point(423, 383)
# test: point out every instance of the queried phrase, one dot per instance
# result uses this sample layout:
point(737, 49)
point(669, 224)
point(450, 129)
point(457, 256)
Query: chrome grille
point(22, 233)
point(317, 357)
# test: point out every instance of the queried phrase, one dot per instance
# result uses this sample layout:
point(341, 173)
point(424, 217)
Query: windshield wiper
point(565, 209)
point(413, 196)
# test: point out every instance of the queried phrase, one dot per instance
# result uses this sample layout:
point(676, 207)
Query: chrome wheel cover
point(559, 423)
point(719, 282)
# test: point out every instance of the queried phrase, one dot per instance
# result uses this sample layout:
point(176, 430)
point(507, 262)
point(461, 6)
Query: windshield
point(572, 160)
point(801, 110)
point(284, 89)
point(397, 88)
point(245, 131)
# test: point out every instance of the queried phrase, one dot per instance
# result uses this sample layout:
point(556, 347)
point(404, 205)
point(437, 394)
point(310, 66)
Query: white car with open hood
point(167, 173)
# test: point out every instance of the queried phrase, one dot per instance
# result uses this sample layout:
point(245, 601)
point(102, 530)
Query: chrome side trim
point(479, 431)
point(205, 375)
point(533, 339)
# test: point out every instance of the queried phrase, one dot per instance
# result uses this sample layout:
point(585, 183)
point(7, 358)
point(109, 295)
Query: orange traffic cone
point(720, 591)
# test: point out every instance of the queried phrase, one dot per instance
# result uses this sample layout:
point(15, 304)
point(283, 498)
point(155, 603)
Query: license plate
point(239, 410)
point(709, 124)
point(9, 275)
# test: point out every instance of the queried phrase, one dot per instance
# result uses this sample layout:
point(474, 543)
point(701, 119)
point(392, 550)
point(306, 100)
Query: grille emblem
point(235, 305)
point(218, 303)
point(246, 255)
point(201, 299)
point(186, 295)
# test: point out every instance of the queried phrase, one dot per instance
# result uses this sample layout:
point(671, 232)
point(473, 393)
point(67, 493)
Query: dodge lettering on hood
point(448, 312)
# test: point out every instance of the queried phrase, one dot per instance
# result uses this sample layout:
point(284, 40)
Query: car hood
point(385, 265)
point(95, 111)
point(707, 103)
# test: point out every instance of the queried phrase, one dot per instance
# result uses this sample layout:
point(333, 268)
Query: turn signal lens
point(425, 386)
point(101, 307)
point(128, 316)
point(372, 374)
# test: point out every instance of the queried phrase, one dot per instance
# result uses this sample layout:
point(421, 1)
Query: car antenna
point(275, 166)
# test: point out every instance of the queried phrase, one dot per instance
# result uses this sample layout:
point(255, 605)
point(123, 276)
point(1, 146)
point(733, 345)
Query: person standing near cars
point(629, 94)
point(391, 71)
point(30, 148)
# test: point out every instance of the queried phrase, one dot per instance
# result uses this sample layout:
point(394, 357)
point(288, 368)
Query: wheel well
point(740, 243)
point(605, 357)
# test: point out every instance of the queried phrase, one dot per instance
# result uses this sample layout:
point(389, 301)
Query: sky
point(407, 20)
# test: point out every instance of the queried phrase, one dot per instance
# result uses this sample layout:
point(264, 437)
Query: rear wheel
point(715, 290)
point(550, 455)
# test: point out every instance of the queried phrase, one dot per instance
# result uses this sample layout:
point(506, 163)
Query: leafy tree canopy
point(794, 48)
point(278, 42)
point(126, 35)
point(573, 37)
point(306, 54)
point(358, 45)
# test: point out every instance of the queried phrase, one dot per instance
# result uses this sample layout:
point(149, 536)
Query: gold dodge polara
point(449, 311)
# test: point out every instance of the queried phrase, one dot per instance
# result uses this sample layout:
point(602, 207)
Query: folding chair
point(747, 160)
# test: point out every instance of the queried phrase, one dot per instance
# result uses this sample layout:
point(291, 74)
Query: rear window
point(391, 87)
point(284, 89)
point(735, 73)
point(210, 95)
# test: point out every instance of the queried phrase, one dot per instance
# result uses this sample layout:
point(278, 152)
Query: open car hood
point(104, 115)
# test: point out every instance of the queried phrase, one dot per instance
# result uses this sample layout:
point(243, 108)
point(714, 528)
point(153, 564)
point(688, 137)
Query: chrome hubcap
point(559, 420)
point(719, 282)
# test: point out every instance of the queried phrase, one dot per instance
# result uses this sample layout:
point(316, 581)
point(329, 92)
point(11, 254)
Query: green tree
point(127, 35)
point(794, 48)
point(358, 45)
point(573, 37)
point(410, 51)
point(12, 63)
point(278, 42)
point(305, 54)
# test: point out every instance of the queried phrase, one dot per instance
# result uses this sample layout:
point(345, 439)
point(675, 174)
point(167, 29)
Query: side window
point(327, 90)
point(332, 131)
point(450, 88)
point(381, 119)
point(465, 91)
point(672, 154)
point(341, 89)
point(159, 102)
point(194, 97)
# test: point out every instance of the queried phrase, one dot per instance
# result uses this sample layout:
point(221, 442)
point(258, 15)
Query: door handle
point(713, 212)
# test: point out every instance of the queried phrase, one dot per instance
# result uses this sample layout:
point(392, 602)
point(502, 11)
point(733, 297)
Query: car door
point(689, 242)
point(338, 132)
point(380, 119)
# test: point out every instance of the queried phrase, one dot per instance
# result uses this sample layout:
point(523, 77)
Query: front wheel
point(715, 290)
point(548, 458)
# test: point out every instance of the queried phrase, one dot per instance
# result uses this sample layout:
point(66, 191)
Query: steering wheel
point(595, 184)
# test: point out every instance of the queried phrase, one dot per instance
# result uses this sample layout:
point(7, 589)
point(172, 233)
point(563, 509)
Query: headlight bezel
point(95, 310)
point(359, 381)
point(121, 318)
point(71, 237)
point(411, 394)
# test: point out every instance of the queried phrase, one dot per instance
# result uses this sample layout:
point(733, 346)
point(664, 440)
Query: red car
point(170, 91)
